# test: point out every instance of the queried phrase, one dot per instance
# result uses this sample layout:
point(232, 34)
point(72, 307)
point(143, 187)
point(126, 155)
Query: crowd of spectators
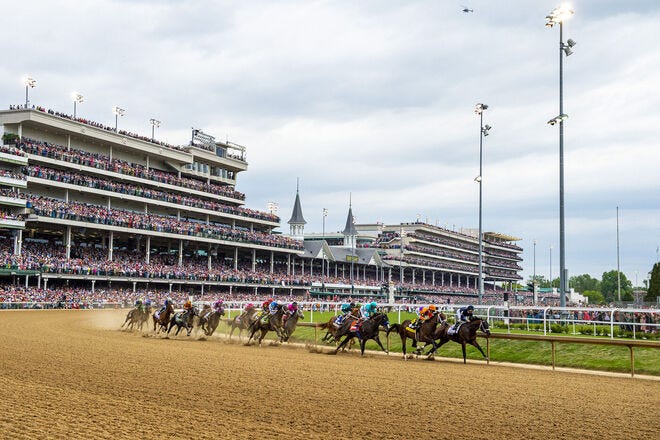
point(140, 191)
point(54, 208)
point(444, 241)
point(10, 149)
point(441, 264)
point(101, 161)
point(12, 174)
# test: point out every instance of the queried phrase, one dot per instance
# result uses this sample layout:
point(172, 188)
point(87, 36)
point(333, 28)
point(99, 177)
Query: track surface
point(72, 374)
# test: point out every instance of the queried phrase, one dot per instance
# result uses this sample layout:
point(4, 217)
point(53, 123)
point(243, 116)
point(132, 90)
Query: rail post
point(553, 355)
point(545, 316)
point(632, 361)
point(612, 324)
point(487, 351)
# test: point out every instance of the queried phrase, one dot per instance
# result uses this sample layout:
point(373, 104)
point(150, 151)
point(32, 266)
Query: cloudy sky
point(376, 99)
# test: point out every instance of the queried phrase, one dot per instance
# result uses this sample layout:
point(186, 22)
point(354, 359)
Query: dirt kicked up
point(73, 374)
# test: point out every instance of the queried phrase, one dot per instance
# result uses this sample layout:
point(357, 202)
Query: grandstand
point(86, 207)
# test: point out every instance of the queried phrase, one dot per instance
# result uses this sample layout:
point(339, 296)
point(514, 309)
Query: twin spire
point(297, 222)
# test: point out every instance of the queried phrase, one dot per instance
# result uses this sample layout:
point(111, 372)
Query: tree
point(540, 281)
point(608, 287)
point(654, 284)
point(582, 283)
point(595, 297)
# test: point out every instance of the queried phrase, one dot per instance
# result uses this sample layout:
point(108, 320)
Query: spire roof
point(297, 215)
point(350, 224)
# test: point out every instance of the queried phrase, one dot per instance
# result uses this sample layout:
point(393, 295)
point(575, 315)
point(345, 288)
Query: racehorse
point(209, 319)
point(143, 316)
point(131, 318)
point(364, 331)
point(425, 333)
point(274, 323)
point(332, 328)
point(243, 321)
point(162, 319)
point(290, 322)
point(466, 334)
point(183, 319)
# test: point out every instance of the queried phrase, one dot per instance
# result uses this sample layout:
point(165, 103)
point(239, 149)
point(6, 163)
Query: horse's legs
point(464, 356)
point(363, 343)
point(263, 335)
point(377, 339)
point(476, 344)
point(343, 343)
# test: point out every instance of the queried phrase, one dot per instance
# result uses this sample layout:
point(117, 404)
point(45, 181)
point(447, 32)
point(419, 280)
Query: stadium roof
point(499, 236)
point(297, 215)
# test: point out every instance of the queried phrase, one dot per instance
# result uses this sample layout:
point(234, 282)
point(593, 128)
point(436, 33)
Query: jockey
point(425, 313)
point(168, 301)
point(346, 310)
point(272, 308)
point(217, 306)
point(292, 308)
point(138, 302)
point(367, 310)
point(463, 315)
point(187, 305)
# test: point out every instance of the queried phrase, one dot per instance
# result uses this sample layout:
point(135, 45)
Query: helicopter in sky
point(466, 10)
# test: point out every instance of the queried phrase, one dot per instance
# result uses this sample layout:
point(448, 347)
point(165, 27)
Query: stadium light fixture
point(483, 131)
point(29, 83)
point(325, 214)
point(556, 119)
point(118, 112)
point(77, 99)
point(558, 16)
point(155, 123)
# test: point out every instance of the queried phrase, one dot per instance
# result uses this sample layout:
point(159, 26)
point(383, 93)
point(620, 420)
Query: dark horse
point(132, 318)
point(332, 328)
point(466, 334)
point(425, 333)
point(290, 324)
point(243, 321)
point(162, 319)
point(363, 330)
point(183, 319)
point(274, 323)
point(209, 319)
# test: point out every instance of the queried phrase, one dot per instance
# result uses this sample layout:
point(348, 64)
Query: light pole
point(483, 131)
point(118, 112)
point(29, 84)
point(155, 123)
point(551, 267)
point(618, 266)
point(325, 214)
point(557, 16)
point(77, 99)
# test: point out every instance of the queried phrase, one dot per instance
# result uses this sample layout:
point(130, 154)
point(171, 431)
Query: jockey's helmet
point(249, 306)
point(373, 304)
point(187, 305)
point(470, 307)
point(432, 308)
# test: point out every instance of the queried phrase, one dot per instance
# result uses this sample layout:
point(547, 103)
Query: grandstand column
point(451, 280)
point(389, 275)
point(424, 277)
point(111, 240)
point(401, 275)
point(109, 204)
point(293, 265)
point(208, 265)
point(180, 253)
point(272, 261)
point(20, 130)
point(134, 284)
point(110, 153)
point(288, 265)
point(146, 208)
point(66, 195)
point(433, 278)
point(68, 142)
point(67, 241)
point(93, 285)
point(147, 251)
point(170, 285)
point(254, 260)
point(413, 276)
point(27, 277)
point(235, 258)
point(311, 267)
point(335, 269)
point(147, 163)
point(178, 214)
point(302, 267)
point(18, 242)
point(208, 219)
point(46, 284)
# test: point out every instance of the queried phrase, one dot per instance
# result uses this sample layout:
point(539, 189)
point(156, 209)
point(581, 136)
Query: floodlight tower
point(557, 16)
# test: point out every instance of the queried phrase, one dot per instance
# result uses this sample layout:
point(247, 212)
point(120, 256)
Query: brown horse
point(162, 319)
point(331, 327)
point(243, 321)
point(263, 325)
point(466, 334)
point(132, 317)
point(367, 329)
point(425, 333)
point(209, 319)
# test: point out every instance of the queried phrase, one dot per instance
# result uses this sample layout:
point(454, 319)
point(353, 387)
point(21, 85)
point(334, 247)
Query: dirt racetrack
point(73, 374)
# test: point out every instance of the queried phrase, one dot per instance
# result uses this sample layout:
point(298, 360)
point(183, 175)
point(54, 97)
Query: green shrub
point(585, 329)
point(9, 138)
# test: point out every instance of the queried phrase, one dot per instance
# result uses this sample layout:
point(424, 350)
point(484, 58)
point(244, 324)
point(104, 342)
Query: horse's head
point(484, 327)
point(383, 320)
point(299, 313)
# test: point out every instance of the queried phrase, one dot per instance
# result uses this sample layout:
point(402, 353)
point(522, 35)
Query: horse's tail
point(324, 325)
point(395, 327)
